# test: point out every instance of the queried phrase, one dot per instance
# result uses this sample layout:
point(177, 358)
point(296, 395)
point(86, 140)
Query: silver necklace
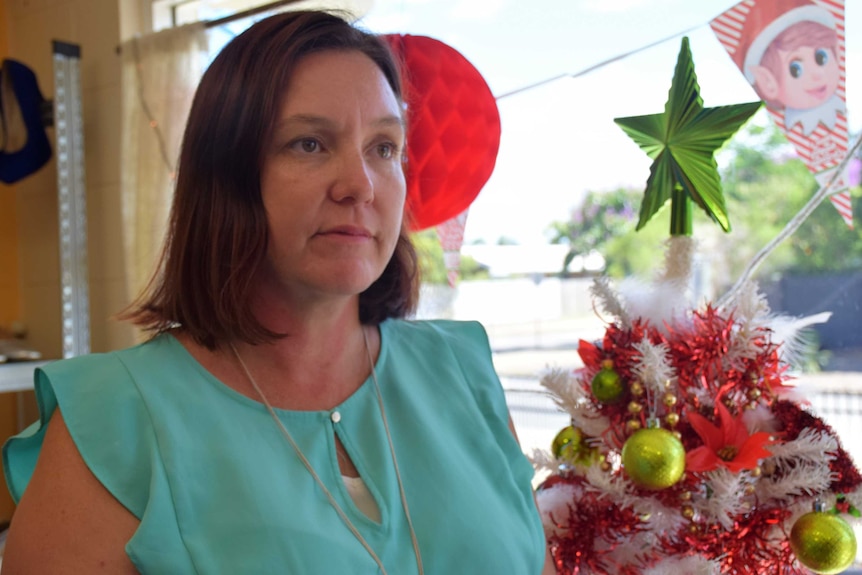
point(317, 479)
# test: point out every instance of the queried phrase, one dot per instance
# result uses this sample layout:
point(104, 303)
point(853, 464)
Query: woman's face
point(332, 181)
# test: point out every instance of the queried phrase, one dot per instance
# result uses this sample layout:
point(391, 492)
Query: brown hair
point(803, 33)
point(217, 234)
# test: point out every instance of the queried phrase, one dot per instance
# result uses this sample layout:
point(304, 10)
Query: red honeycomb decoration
point(453, 129)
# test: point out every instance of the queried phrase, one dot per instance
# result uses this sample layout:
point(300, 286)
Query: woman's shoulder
point(157, 349)
point(445, 329)
point(464, 342)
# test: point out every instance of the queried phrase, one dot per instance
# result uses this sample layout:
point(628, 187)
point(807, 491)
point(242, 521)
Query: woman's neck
point(320, 362)
point(313, 367)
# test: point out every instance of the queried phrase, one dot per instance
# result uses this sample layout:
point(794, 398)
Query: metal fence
point(842, 410)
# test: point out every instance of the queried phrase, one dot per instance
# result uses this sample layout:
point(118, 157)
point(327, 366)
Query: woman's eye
point(307, 145)
point(386, 151)
point(795, 68)
point(821, 56)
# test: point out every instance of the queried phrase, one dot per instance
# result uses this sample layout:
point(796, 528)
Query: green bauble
point(563, 443)
point(569, 445)
point(653, 458)
point(823, 542)
point(608, 386)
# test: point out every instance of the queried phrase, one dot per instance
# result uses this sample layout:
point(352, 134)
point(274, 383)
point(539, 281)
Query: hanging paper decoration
point(451, 235)
point(453, 129)
point(792, 53)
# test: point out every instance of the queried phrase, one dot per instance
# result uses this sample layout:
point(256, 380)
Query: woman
point(282, 419)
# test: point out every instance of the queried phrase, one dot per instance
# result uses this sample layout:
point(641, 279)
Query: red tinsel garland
point(794, 419)
point(591, 531)
point(756, 544)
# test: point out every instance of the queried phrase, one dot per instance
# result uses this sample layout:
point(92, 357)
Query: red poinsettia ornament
point(728, 445)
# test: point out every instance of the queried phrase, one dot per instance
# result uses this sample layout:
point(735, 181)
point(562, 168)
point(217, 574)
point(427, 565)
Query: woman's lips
point(346, 232)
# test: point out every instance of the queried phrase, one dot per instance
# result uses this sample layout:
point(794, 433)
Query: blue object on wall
point(24, 146)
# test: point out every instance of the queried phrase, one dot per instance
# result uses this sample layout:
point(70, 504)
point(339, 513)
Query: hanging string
point(791, 226)
point(601, 64)
point(151, 120)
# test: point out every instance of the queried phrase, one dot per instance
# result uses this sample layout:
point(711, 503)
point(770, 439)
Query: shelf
point(18, 376)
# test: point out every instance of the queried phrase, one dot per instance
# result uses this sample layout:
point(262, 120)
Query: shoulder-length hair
point(217, 233)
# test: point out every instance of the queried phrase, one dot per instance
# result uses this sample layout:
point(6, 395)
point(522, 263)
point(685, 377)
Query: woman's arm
point(549, 568)
point(67, 523)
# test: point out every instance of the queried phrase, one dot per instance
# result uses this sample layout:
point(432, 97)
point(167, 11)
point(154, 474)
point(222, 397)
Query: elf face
point(809, 76)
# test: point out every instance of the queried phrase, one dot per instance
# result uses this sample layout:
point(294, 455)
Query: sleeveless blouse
point(218, 490)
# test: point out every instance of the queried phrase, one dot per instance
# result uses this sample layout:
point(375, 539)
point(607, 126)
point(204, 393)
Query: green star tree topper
point(682, 142)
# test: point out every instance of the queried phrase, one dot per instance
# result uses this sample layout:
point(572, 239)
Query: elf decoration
point(792, 53)
point(689, 452)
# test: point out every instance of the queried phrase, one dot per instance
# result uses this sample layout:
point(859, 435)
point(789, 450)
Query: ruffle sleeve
point(106, 419)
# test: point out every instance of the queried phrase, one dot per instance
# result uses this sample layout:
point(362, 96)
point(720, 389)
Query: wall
point(10, 298)
point(94, 25)
point(29, 247)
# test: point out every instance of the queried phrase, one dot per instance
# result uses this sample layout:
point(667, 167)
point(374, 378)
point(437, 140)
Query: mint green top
point(218, 489)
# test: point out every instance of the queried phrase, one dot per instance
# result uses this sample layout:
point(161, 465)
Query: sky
point(559, 139)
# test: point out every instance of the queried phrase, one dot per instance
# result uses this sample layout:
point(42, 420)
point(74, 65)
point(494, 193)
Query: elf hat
point(24, 146)
point(769, 19)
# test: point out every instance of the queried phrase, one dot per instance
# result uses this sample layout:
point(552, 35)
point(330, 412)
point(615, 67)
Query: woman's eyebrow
point(313, 120)
point(391, 121)
point(306, 120)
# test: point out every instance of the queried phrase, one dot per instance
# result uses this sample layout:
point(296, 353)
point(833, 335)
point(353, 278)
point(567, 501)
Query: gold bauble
point(653, 458)
point(633, 425)
point(672, 419)
point(637, 388)
point(823, 542)
point(607, 386)
point(669, 399)
point(634, 407)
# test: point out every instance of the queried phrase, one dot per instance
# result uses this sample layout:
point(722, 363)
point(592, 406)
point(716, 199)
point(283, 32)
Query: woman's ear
point(765, 83)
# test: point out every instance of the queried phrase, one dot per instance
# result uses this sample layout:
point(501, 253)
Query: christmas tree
point(689, 450)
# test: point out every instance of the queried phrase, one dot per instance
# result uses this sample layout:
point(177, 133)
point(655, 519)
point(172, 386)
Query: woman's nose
point(353, 180)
